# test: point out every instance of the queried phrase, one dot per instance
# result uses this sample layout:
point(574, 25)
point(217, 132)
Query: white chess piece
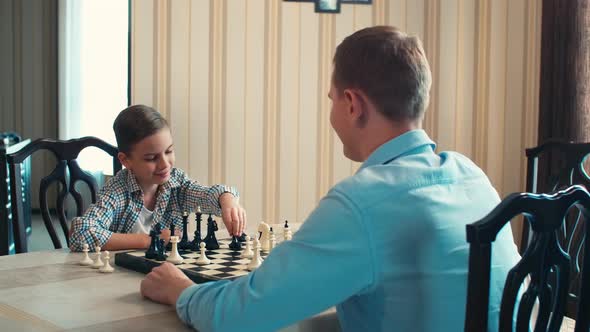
point(256, 259)
point(86, 260)
point(202, 260)
point(174, 257)
point(247, 253)
point(288, 235)
point(106, 268)
point(264, 229)
point(272, 241)
point(97, 261)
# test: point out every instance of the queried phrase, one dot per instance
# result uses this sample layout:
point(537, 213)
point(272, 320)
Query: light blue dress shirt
point(387, 246)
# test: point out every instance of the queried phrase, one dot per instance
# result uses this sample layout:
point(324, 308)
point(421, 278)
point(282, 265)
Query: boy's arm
point(92, 227)
point(193, 194)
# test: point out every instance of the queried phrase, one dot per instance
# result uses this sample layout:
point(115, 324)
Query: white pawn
point(202, 260)
point(97, 261)
point(86, 260)
point(288, 235)
point(247, 253)
point(174, 257)
point(106, 268)
point(272, 241)
point(256, 259)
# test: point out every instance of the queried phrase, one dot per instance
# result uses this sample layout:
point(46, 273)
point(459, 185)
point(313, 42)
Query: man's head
point(380, 87)
point(389, 66)
point(145, 144)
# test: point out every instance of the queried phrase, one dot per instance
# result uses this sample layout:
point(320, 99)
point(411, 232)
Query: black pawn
point(184, 243)
point(235, 244)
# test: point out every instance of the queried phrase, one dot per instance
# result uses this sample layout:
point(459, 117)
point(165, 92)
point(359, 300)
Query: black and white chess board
point(225, 263)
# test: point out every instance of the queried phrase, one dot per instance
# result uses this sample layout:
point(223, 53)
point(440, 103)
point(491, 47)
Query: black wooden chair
point(544, 260)
point(553, 166)
point(66, 173)
point(10, 142)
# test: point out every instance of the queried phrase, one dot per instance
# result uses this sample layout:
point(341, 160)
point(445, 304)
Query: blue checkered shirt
point(121, 200)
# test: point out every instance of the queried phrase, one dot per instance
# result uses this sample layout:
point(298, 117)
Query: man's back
point(415, 205)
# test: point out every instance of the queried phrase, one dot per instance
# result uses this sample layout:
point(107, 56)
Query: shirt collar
point(134, 186)
point(398, 146)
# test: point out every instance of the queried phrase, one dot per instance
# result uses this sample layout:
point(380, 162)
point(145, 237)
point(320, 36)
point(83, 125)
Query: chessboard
point(226, 264)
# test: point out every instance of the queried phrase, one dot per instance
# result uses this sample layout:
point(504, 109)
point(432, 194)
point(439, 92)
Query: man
point(386, 245)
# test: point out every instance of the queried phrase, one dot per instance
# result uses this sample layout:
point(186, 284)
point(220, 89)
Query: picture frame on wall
point(327, 6)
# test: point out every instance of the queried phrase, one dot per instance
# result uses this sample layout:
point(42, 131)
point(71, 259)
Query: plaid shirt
point(121, 200)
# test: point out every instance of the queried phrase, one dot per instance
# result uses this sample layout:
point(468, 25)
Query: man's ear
point(357, 105)
point(123, 159)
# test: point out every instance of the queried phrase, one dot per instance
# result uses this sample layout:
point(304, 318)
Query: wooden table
point(49, 291)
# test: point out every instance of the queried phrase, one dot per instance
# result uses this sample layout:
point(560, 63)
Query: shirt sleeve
point(328, 260)
point(193, 194)
point(92, 228)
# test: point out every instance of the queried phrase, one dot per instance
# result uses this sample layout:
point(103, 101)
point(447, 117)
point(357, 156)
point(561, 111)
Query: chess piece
point(86, 260)
point(264, 230)
point(202, 260)
point(154, 248)
point(106, 268)
point(174, 257)
point(235, 244)
point(242, 238)
point(247, 253)
point(286, 231)
point(195, 244)
point(97, 261)
point(288, 235)
point(161, 251)
point(256, 259)
point(272, 240)
point(172, 230)
point(210, 240)
point(184, 243)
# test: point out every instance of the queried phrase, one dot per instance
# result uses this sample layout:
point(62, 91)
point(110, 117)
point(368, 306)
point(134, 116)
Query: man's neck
point(381, 132)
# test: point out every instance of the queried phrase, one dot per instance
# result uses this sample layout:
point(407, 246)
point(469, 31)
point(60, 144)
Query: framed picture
point(299, 0)
point(360, 2)
point(327, 6)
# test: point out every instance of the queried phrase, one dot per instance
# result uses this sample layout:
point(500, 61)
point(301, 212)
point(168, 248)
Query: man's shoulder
point(397, 178)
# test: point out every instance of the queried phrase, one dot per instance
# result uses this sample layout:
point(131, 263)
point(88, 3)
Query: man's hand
point(233, 215)
point(164, 284)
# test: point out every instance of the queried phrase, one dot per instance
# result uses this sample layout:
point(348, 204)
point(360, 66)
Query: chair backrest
point(67, 173)
point(544, 260)
point(9, 144)
point(562, 165)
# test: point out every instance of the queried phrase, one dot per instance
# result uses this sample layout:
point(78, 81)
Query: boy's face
point(151, 159)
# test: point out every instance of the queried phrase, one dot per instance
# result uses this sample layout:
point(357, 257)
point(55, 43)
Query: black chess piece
point(197, 238)
point(184, 243)
point(235, 244)
point(242, 238)
point(286, 224)
point(210, 240)
point(154, 249)
point(161, 251)
point(172, 229)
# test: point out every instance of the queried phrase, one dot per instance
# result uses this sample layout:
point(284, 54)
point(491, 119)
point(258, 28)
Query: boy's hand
point(233, 215)
point(165, 235)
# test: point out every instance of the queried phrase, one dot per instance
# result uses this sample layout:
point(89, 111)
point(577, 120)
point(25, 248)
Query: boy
point(149, 190)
